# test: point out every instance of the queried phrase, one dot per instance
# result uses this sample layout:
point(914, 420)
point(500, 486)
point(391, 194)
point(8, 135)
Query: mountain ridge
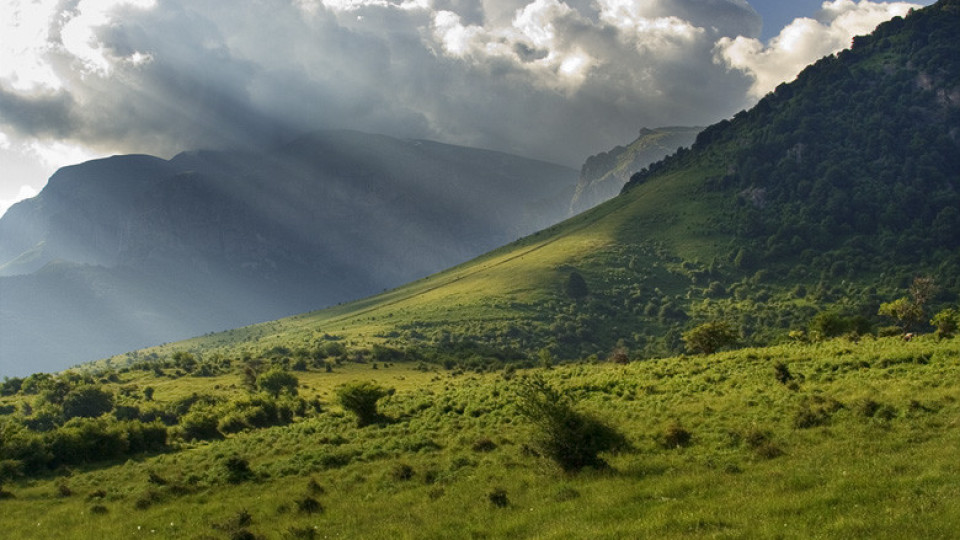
point(240, 237)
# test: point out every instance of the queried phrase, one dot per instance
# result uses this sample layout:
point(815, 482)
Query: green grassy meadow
point(860, 442)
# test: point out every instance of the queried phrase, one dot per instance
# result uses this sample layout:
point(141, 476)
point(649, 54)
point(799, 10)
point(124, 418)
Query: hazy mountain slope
point(806, 204)
point(155, 250)
point(603, 175)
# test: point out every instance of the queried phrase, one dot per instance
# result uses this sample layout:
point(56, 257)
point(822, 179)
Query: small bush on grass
point(498, 497)
point(675, 436)
point(237, 469)
point(761, 444)
point(314, 488)
point(782, 373)
point(402, 471)
point(484, 445)
point(98, 509)
point(572, 439)
point(309, 505)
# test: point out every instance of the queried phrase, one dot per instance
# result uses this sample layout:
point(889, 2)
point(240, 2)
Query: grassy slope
point(881, 464)
point(512, 283)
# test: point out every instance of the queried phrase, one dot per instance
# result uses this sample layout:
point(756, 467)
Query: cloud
point(25, 192)
point(804, 41)
point(553, 79)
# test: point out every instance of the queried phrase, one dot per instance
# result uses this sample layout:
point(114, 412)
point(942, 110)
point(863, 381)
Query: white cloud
point(804, 41)
point(25, 192)
point(24, 44)
point(552, 79)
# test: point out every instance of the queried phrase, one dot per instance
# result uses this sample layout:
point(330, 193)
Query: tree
point(709, 337)
point(922, 290)
point(278, 380)
point(906, 312)
point(576, 286)
point(87, 402)
point(572, 439)
point(361, 399)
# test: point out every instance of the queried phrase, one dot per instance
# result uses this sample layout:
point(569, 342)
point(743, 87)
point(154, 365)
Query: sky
point(557, 80)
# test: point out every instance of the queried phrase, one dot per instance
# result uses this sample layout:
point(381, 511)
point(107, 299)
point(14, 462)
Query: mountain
point(436, 410)
point(802, 216)
point(603, 175)
point(131, 251)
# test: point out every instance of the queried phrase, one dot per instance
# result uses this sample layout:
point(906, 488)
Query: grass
point(854, 475)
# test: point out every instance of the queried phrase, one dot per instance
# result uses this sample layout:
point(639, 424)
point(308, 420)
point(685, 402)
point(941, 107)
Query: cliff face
point(144, 250)
point(604, 175)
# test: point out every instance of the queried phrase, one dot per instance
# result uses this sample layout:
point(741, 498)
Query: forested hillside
point(851, 171)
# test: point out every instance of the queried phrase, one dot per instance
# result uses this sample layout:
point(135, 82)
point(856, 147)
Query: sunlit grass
point(888, 475)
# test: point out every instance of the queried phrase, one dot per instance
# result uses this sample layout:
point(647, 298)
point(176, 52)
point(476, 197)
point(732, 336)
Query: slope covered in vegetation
point(805, 214)
point(838, 439)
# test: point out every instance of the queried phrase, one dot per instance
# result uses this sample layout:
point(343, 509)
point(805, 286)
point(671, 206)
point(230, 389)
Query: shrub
point(570, 438)
point(237, 469)
point(782, 373)
point(361, 399)
point(484, 445)
point(946, 323)
point(761, 444)
point(675, 436)
point(98, 509)
point(402, 471)
point(87, 402)
point(200, 423)
point(309, 505)
point(498, 498)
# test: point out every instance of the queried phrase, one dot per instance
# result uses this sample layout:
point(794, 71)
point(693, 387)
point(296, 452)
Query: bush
point(782, 373)
point(361, 399)
point(484, 445)
point(675, 436)
point(309, 505)
point(498, 498)
point(945, 322)
point(87, 402)
point(200, 423)
point(570, 438)
point(237, 469)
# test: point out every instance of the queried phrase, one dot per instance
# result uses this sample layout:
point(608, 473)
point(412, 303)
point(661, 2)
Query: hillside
point(439, 409)
point(603, 175)
point(804, 214)
point(834, 440)
point(133, 251)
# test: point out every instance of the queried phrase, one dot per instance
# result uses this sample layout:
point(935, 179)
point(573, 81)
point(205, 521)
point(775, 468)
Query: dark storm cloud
point(47, 114)
point(545, 78)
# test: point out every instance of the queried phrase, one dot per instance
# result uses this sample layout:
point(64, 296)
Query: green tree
point(278, 380)
point(87, 402)
point(576, 286)
point(906, 312)
point(361, 399)
point(710, 337)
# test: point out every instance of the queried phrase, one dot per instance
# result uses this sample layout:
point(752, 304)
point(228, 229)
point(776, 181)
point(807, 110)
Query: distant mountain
point(130, 251)
point(603, 175)
point(798, 218)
